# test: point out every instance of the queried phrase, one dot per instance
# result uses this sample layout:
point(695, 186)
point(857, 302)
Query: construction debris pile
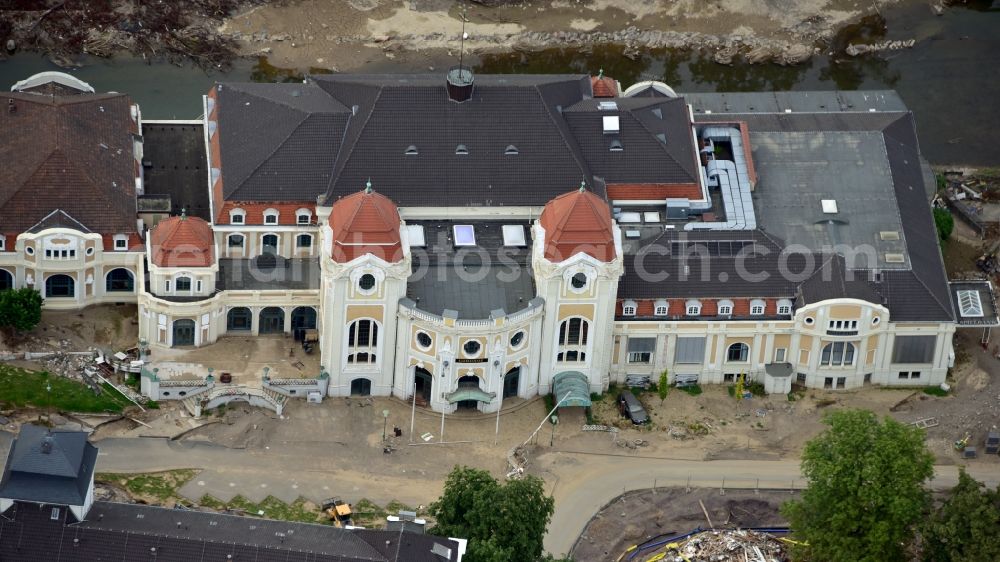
point(737, 545)
point(177, 30)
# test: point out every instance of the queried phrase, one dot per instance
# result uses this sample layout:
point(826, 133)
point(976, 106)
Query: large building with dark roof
point(464, 239)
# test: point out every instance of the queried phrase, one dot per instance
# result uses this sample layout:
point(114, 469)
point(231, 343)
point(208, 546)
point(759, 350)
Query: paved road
point(582, 483)
point(590, 481)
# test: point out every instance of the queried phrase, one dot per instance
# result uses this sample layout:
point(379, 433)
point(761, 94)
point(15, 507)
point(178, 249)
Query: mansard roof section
point(578, 222)
point(365, 222)
point(278, 141)
point(77, 147)
point(183, 242)
point(653, 144)
point(423, 149)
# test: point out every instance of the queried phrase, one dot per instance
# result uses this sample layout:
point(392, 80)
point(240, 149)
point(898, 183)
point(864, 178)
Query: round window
point(579, 281)
point(471, 347)
point(367, 282)
point(90, 251)
point(810, 320)
point(517, 339)
point(29, 250)
point(424, 340)
point(876, 320)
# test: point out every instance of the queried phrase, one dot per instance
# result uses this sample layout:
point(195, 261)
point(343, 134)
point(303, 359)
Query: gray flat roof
point(256, 275)
point(473, 281)
point(798, 170)
point(804, 102)
point(177, 165)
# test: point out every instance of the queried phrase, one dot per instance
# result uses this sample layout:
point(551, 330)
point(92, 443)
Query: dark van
point(630, 407)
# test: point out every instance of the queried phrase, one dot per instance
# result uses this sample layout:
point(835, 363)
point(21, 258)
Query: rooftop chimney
point(460, 83)
point(47, 444)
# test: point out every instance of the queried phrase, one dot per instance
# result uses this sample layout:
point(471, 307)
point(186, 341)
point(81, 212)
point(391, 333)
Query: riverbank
point(343, 35)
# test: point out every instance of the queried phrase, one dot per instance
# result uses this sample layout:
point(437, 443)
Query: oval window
point(810, 320)
point(517, 339)
point(579, 281)
point(367, 282)
point(29, 250)
point(424, 340)
point(471, 347)
point(876, 320)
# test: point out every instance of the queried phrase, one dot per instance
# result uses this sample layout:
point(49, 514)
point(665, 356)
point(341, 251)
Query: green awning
point(470, 393)
point(576, 384)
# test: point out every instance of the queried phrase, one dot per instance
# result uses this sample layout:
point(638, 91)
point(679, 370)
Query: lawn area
point(20, 387)
point(157, 488)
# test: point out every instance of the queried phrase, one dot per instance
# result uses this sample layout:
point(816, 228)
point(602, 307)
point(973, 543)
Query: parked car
point(630, 407)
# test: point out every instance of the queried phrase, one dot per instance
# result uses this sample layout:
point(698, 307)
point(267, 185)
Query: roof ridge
point(275, 101)
point(338, 162)
point(548, 111)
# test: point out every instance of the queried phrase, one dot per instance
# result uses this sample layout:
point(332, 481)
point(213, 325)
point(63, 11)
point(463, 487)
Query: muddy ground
point(637, 517)
point(345, 34)
point(99, 326)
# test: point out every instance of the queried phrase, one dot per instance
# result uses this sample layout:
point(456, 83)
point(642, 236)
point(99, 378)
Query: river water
point(950, 79)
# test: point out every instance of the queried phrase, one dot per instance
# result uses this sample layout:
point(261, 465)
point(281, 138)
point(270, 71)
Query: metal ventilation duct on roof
point(733, 180)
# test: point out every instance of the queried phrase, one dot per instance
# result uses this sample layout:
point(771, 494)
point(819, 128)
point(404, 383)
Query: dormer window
point(237, 216)
point(616, 146)
point(511, 150)
point(725, 307)
point(784, 307)
point(757, 307)
point(628, 308)
point(271, 216)
point(411, 150)
point(693, 307)
point(121, 242)
point(660, 308)
point(462, 150)
point(303, 216)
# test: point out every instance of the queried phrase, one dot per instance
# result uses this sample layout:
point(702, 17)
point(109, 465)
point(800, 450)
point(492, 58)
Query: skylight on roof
point(465, 235)
point(513, 235)
point(611, 124)
point(829, 206)
point(889, 235)
point(895, 258)
point(630, 216)
point(969, 304)
point(607, 106)
point(415, 235)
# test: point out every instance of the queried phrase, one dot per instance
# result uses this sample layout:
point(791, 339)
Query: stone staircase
point(225, 394)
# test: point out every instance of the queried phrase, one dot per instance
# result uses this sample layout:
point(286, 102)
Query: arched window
point(119, 280)
point(304, 241)
point(573, 340)
point(6, 280)
point(235, 241)
point(573, 332)
point(661, 307)
point(303, 216)
point(237, 216)
point(271, 216)
point(60, 286)
point(837, 354)
point(362, 341)
point(738, 353)
point(182, 284)
point(629, 308)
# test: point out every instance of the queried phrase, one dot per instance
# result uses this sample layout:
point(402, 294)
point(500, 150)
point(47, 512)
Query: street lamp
point(555, 421)
point(385, 420)
point(496, 434)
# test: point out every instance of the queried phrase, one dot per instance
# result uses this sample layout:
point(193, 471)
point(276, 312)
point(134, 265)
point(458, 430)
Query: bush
point(944, 222)
point(693, 390)
point(757, 389)
point(20, 309)
point(935, 391)
point(550, 402)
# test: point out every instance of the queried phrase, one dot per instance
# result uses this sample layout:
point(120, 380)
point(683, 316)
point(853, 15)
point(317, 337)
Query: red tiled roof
point(576, 222)
point(183, 242)
point(365, 223)
point(604, 86)
point(68, 151)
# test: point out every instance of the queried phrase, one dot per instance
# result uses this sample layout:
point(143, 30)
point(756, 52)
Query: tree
point(944, 222)
point(865, 492)
point(661, 387)
point(20, 309)
point(964, 528)
point(503, 522)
